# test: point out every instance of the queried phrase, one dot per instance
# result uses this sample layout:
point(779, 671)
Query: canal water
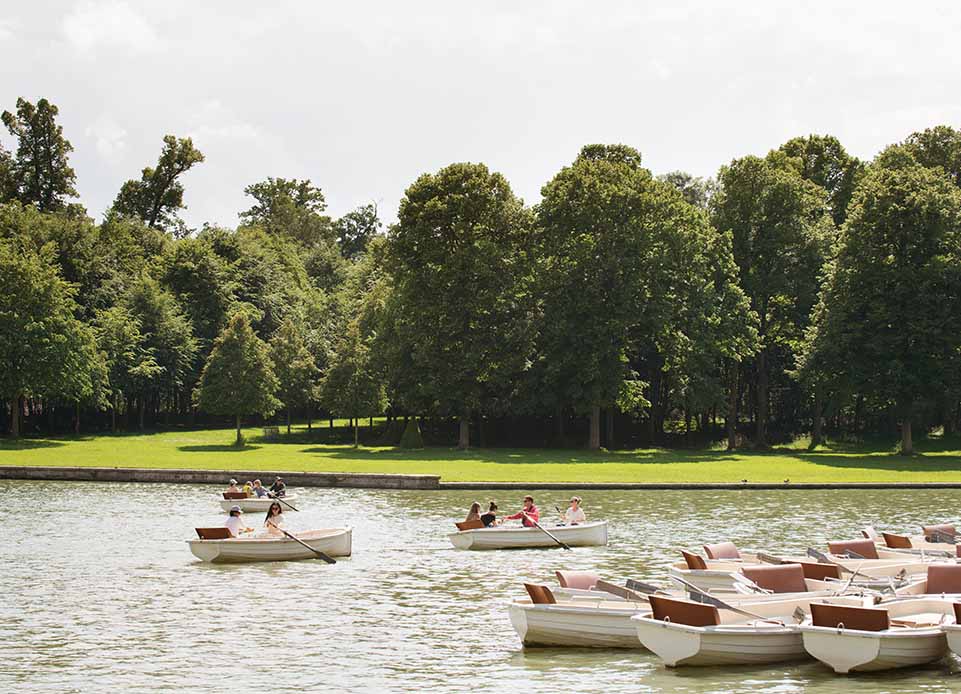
point(101, 593)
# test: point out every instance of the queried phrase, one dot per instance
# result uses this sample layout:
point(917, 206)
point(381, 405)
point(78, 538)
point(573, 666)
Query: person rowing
point(275, 519)
point(575, 514)
point(234, 524)
point(529, 515)
point(278, 488)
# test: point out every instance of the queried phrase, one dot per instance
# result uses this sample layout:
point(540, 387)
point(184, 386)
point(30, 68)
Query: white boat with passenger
point(215, 545)
point(254, 504)
point(517, 537)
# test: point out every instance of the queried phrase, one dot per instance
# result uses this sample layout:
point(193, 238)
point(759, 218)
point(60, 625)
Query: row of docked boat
point(861, 605)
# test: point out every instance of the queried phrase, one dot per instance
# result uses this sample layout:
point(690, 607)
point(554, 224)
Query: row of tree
point(800, 291)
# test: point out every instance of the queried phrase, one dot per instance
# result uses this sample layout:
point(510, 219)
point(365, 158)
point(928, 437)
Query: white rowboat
point(335, 542)
point(502, 537)
point(253, 504)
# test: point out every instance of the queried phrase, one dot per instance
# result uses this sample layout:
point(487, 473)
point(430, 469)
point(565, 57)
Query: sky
point(363, 97)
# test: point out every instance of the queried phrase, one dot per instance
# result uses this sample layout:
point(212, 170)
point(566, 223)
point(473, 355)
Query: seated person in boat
point(275, 519)
point(233, 488)
point(248, 488)
point(490, 518)
point(528, 515)
point(234, 524)
point(575, 514)
point(278, 488)
point(474, 513)
point(259, 490)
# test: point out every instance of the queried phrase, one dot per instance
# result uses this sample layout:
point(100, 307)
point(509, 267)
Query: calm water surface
point(100, 592)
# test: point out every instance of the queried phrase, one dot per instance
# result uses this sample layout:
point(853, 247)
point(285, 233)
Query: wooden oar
point(273, 496)
point(825, 559)
point(641, 587)
point(710, 599)
point(538, 525)
point(326, 558)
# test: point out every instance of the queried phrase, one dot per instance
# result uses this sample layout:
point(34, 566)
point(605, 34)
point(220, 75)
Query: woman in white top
point(575, 514)
point(275, 519)
point(234, 524)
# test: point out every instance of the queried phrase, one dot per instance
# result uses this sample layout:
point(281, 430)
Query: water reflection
point(102, 593)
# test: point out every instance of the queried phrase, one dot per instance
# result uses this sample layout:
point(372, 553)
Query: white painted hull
point(255, 505)
point(335, 542)
point(681, 645)
point(953, 634)
point(859, 651)
point(584, 535)
point(570, 625)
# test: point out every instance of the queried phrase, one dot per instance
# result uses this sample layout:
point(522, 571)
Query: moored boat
point(335, 542)
point(503, 537)
point(253, 504)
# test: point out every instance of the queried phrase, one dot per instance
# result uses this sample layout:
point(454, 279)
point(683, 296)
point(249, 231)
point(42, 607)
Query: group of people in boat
point(273, 522)
point(258, 490)
point(529, 515)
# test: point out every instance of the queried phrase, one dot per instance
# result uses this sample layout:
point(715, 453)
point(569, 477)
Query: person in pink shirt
point(529, 515)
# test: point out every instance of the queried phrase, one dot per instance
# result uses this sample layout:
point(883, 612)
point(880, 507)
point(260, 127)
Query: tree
point(355, 230)
point(351, 385)
point(8, 182)
point(290, 207)
point(41, 172)
point(238, 377)
point(697, 191)
point(295, 368)
point(822, 160)
point(158, 196)
point(939, 146)
point(459, 264)
point(128, 361)
point(887, 320)
point(44, 349)
point(781, 232)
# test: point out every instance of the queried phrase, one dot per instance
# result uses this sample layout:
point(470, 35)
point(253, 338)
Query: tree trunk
point(687, 423)
point(594, 439)
point(310, 414)
point(370, 425)
point(731, 417)
point(141, 410)
point(609, 426)
point(76, 420)
point(113, 413)
point(288, 420)
point(331, 422)
point(762, 401)
point(907, 445)
point(240, 439)
point(356, 427)
point(15, 412)
point(463, 439)
point(817, 435)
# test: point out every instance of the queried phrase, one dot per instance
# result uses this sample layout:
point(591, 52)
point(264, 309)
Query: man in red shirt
point(529, 515)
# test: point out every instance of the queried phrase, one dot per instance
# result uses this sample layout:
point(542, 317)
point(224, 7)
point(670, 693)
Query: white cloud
point(109, 23)
point(7, 29)
point(214, 121)
point(110, 139)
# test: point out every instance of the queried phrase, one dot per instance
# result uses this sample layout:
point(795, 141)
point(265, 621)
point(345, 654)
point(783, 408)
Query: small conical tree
point(238, 377)
point(352, 386)
point(294, 366)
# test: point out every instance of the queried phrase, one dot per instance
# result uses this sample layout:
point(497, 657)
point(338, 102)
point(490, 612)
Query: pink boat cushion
point(943, 578)
point(865, 548)
point(857, 618)
point(722, 550)
point(696, 563)
point(781, 578)
point(540, 595)
point(692, 614)
point(583, 580)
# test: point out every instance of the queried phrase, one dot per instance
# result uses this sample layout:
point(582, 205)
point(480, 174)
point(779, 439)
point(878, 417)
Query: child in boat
point(233, 489)
point(275, 519)
point(490, 518)
point(474, 513)
point(248, 489)
point(575, 514)
point(234, 524)
point(528, 515)
point(259, 490)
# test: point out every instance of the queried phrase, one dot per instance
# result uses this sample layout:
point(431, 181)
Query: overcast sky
point(362, 97)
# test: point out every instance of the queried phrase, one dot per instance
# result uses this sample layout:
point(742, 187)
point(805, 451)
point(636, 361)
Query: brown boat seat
point(220, 533)
point(865, 548)
point(619, 591)
point(583, 580)
point(896, 541)
point(692, 614)
point(857, 618)
point(782, 578)
point(957, 612)
point(475, 524)
point(540, 595)
point(820, 572)
point(697, 563)
point(957, 551)
point(943, 578)
point(235, 495)
point(938, 533)
point(722, 550)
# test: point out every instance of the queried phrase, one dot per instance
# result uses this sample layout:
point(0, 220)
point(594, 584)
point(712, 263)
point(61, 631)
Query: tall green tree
point(697, 191)
point(238, 377)
point(296, 371)
point(887, 321)
point(158, 196)
point(356, 229)
point(781, 233)
point(822, 160)
point(8, 183)
point(41, 170)
point(128, 361)
point(459, 264)
point(291, 207)
point(352, 386)
point(940, 147)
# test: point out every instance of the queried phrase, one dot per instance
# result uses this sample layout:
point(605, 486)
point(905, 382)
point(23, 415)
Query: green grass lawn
point(936, 461)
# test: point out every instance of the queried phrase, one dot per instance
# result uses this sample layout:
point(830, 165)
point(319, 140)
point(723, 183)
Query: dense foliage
point(804, 290)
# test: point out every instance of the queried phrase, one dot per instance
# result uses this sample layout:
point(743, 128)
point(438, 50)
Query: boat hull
point(551, 625)
point(584, 535)
point(255, 505)
point(335, 542)
point(854, 651)
point(681, 645)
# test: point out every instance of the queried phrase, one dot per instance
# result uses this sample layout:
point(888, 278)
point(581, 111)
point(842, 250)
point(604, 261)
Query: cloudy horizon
point(365, 98)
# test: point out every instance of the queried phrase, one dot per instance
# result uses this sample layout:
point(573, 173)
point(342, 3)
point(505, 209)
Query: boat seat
point(220, 533)
point(943, 578)
point(695, 562)
point(957, 551)
point(692, 614)
point(820, 572)
point(957, 612)
point(619, 591)
point(540, 595)
point(722, 550)
point(235, 495)
point(896, 541)
point(865, 548)
point(870, 533)
point(475, 524)
point(939, 533)
point(583, 580)
point(782, 578)
point(857, 618)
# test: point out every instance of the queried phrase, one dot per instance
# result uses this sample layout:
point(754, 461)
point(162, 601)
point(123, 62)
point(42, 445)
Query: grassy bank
point(936, 461)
